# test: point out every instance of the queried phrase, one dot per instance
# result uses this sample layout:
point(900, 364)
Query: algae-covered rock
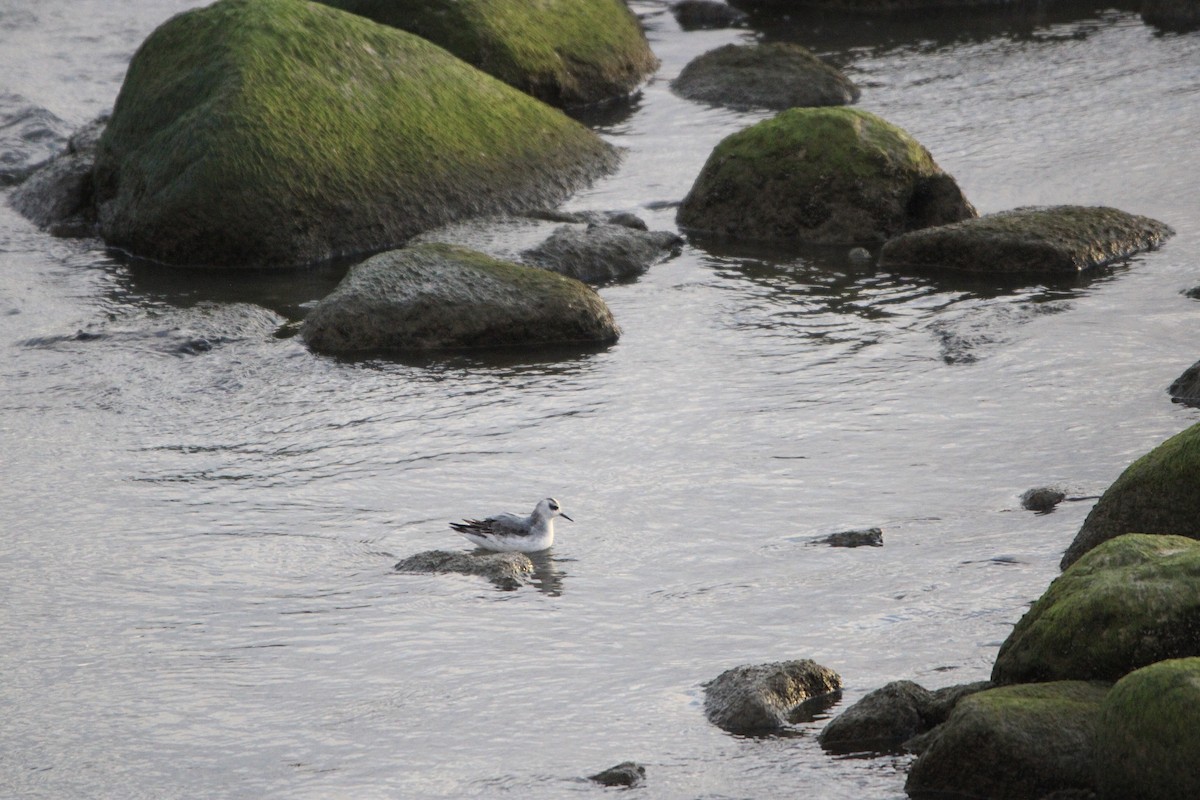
point(1158, 493)
point(1054, 239)
point(1128, 603)
point(776, 75)
point(823, 176)
point(565, 52)
point(597, 253)
point(505, 570)
point(1148, 736)
point(1012, 743)
point(762, 698)
point(434, 296)
point(280, 132)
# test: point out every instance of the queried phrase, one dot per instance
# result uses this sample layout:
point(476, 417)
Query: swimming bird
point(510, 532)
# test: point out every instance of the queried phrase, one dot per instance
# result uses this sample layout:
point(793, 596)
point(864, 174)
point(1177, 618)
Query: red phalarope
point(510, 532)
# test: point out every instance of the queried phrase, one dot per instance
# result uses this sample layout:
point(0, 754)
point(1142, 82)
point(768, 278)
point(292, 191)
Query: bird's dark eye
point(554, 506)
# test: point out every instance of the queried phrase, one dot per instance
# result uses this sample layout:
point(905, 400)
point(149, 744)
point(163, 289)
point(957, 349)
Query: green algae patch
point(276, 133)
point(564, 52)
point(1012, 743)
point(1054, 239)
point(1158, 493)
point(440, 296)
point(1149, 734)
point(820, 175)
point(1130, 602)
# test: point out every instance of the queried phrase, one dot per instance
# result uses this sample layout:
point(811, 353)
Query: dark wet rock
point(868, 537)
point(886, 718)
point(776, 75)
point(763, 698)
point(1012, 743)
point(1155, 494)
point(1148, 736)
point(29, 137)
point(1129, 602)
point(1179, 16)
point(626, 218)
point(822, 176)
point(505, 570)
point(563, 52)
point(695, 15)
point(859, 255)
point(58, 196)
point(1042, 499)
point(1193, 293)
point(435, 296)
point(1045, 239)
point(627, 773)
point(602, 253)
point(285, 167)
point(1186, 388)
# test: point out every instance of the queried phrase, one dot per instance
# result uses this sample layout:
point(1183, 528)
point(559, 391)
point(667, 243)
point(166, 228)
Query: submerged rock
point(1042, 499)
point(505, 570)
point(277, 133)
point(59, 196)
point(1127, 603)
point(627, 773)
point(1052, 239)
point(1149, 734)
point(694, 15)
point(435, 296)
point(823, 176)
point(1012, 743)
point(564, 52)
point(868, 537)
point(1155, 494)
point(602, 253)
point(762, 698)
point(775, 75)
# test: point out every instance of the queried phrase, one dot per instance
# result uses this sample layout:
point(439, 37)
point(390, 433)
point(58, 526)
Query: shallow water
point(201, 516)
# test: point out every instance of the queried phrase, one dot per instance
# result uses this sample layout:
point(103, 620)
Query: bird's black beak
point(568, 519)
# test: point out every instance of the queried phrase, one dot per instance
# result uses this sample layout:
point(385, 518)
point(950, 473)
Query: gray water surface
point(200, 517)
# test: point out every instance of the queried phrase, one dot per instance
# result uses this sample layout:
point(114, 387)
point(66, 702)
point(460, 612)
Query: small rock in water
point(859, 255)
point(1186, 388)
point(627, 773)
point(1042, 499)
point(868, 537)
point(506, 570)
point(762, 698)
point(695, 15)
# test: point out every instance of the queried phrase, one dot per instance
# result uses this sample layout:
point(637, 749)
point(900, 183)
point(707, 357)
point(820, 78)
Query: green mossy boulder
point(1158, 493)
point(564, 52)
point(439, 296)
point(776, 75)
point(1128, 603)
point(822, 176)
point(1148, 738)
point(1054, 239)
point(276, 133)
point(1012, 743)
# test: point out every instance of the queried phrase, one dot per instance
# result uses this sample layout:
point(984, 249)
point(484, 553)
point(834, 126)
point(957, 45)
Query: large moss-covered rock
point(1012, 743)
point(762, 698)
point(1128, 603)
point(565, 52)
point(776, 75)
point(820, 175)
point(1054, 239)
point(1158, 493)
point(1148, 737)
point(281, 132)
point(434, 296)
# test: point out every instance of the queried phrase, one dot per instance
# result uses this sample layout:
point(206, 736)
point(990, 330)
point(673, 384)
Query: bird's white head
point(549, 509)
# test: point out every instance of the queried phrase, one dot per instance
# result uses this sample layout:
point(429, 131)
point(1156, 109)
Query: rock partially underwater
point(776, 75)
point(1053, 239)
point(439, 296)
point(762, 698)
point(599, 253)
point(564, 52)
point(886, 718)
point(822, 176)
point(59, 195)
point(505, 570)
point(278, 133)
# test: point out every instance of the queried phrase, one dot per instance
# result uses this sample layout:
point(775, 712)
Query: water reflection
point(547, 577)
